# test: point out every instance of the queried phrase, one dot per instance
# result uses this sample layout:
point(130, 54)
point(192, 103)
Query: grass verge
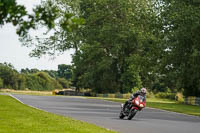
point(165, 104)
point(18, 118)
point(28, 92)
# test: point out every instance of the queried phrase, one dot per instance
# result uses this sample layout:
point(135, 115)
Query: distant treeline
point(35, 79)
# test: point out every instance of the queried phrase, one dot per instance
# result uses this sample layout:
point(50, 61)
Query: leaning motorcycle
point(132, 108)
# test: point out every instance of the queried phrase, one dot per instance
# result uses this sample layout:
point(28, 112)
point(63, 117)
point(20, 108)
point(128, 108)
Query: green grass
point(19, 118)
point(165, 104)
point(176, 107)
point(26, 92)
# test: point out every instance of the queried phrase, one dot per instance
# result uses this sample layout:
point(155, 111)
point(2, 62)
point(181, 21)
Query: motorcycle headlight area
point(141, 105)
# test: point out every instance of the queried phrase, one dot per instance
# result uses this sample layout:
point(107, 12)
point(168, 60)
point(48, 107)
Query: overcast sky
point(12, 52)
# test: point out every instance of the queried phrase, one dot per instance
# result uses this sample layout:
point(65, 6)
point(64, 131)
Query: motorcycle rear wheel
point(132, 114)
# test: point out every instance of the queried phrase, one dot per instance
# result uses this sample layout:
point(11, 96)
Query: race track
point(105, 114)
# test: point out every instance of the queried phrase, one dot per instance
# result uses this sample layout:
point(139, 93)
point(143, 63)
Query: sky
point(12, 52)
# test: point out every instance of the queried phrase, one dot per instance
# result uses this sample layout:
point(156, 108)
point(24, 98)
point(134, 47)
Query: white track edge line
point(26, 104)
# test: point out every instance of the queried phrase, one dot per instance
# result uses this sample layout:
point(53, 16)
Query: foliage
point(150, 94)
point(32, 79)
point(65, 83)
point(118, 44)
point(135, 89)
point(29, 71)
point(85, 25)
point(165, 95)
point(90, 74)
point(9, 76)
point(65, 71)
point(52, 73)
point(181, 26)
point(60, 20)
point(21, 81)
point(1, 83)
point(41, 81)
point(11, 12)
point(111, 38)
point(179, 97)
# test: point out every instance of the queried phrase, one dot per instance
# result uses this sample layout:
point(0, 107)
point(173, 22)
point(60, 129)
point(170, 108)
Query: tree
point(116, 30)
point(25, 71)
point(118, 44)
point(11, 12)
point(65, 83)
point(112, 35)
point(1, 83)
point(41, 81)
point(181, 26)
point(65, 71)
point(61, 22)
point(9, 75)
point(47, 14)
point(52, 73)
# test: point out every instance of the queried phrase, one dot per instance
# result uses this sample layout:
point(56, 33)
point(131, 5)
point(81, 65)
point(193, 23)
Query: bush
point(165, 95)
point(21, 81)
point(179, 97)
point(1, 83)
point(111, 95)
point(65, 83)
point(135, 89)
point(33, 79)
point(9, 76)
point(56, 84)
point(41, 81)
point(150, 94)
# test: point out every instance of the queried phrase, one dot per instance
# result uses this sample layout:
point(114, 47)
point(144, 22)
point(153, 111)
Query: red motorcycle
point(132, 108)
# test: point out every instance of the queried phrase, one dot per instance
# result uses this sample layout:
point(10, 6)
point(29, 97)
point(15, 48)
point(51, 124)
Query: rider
point(142, 92)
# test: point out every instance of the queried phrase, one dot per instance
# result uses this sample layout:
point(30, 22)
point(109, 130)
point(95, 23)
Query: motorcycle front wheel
point(121, 115)
point(132, 114)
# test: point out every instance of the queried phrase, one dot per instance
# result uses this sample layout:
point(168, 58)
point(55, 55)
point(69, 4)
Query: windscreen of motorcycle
point(141, 98)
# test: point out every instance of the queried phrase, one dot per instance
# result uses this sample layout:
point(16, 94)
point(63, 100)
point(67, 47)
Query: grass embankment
point(165, 104)
point(18, 118)
point(176, 107)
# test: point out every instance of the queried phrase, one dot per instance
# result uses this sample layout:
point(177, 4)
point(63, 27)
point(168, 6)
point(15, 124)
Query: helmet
point(143, 90)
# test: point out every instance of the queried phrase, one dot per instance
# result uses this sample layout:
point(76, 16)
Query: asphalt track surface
point(105, 114)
